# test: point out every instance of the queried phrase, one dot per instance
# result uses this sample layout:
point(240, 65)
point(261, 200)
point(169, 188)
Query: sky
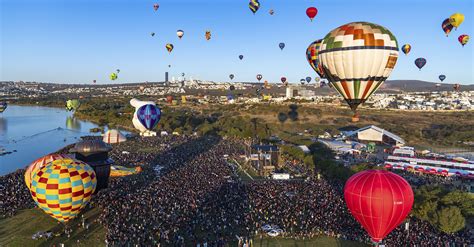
point(78, 41)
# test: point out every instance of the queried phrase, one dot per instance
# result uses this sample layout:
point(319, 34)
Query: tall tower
point(166, 76)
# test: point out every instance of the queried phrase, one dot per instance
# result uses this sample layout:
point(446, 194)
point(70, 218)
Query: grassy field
point(17, 230)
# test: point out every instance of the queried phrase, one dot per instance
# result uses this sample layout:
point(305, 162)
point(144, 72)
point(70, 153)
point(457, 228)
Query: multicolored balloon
point(311, 12)
point(149, 115)
point(254, 5)
point(463, 39)
point(208, 35)
point(357, 58)
point(180, 33)
point(420, 62)
point(3, 106)
point(282, 45)
point(456, 19)
point(72, 104)
point(63, 188)
point(40, 163)
point(156, 6)
point(447, 27)
point(406, 48)
point(169, 47)
point(312, 56)
point(259, 77)
point(317, 79)
point(271, 12)
point(442, 77)
point(379, 200)
point(302, 81)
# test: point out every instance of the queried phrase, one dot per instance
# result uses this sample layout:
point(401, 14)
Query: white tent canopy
point(113, 136)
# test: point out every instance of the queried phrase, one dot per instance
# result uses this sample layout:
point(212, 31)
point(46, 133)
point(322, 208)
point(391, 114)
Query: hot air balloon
point(169, 47)
point(156, 6)
point(232, 88)
point(317, 79)
point(63, 188)
point(446, 26)
point(231, 76)
point(208, 35)
point(456, 19)
point(313, 59)
point(271, 12)
point(113, 76)
point(117, 70)
point(3, 106)
point(152, 34)
point(311, 12)
point(180, 33)
point(456, 87)
point(379, 200)
point(406, 48)
point(282, 45)
point(420, 62)
point(241, 57)
point(259, 77)
point(254, 5)
point(357, 58)
point(149, 115)
point(40, 163)
point(94, 81)
point(283, 79)
point(463, 39)
point(302, 81)
point(308, 79)
point(442, 77)
point(72, 105)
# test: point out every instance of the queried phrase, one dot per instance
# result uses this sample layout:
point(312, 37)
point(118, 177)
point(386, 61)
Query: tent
point(113, 136)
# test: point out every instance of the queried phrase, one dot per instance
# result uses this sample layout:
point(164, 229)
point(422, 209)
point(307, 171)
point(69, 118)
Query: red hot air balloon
point(311, 12)
point(379, 200)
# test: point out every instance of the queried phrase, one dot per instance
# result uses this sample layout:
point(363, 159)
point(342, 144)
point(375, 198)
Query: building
point(373, 133)
point(264, 158)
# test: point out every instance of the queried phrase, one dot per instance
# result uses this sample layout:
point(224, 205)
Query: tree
point(463, 200)
point(426, 210)
point(450, 219)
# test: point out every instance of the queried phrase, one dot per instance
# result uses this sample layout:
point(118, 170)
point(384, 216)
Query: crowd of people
point(197, 198)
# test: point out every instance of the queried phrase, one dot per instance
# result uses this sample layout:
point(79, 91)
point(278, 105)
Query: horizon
point(86, 41)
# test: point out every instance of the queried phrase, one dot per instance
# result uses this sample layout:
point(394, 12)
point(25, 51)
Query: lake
point(34, 131)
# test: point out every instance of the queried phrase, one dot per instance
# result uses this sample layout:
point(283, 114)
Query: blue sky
point(77, 41)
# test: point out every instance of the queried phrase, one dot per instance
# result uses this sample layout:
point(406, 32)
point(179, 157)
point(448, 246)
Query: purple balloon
point(149, 115)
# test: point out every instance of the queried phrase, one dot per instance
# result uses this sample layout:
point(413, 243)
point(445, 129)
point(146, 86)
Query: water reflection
point(3, 125)
point(73, 123)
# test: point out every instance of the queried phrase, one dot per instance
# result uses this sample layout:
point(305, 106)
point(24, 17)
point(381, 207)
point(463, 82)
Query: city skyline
point(81, 41)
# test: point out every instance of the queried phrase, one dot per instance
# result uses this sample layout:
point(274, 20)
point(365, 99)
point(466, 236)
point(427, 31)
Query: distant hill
point(417, 86)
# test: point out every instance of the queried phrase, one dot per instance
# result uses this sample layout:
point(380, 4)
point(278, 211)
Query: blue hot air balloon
point(308, 79)
point(442, 77)
point(282, 45)
point(149, 115)
point(420, 62)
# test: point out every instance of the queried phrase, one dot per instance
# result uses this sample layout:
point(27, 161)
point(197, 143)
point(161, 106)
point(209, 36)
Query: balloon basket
point(355, 118)
point(148, 133)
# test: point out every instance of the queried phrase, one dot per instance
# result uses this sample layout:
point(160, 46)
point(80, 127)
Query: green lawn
point(17, 230)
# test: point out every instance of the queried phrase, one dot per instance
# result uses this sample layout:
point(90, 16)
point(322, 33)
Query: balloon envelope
point(446, 26)
point(379, 200)
point(63, 188)
point(149, 115)
point(312, 53)
point(463, 39)
point(282, 45)
point(180, 33)
point(442, 77)
point(241, 57)
point(3, 106)
point(357, 58)
point(308, 79)
point(113, 76)
point(259, 77)
point(420, 62)
point(456, 19)
point(40, 163)
point(169, 47)
point(311, 12)
point(406, 48)
point(254, 5)
point(72, 105)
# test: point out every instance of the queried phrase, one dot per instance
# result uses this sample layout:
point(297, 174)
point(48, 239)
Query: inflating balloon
point(169, 47)
point(313, 59)
point(149, 115)
point(446, 26)
point(259, 77)
point(379, 200)
point(442, 77)
point(357, 58)
point(63, 188)
point(254, 5)
point(463, 39)
point(282, 45)
point(311, 12)
point(456, 19)
point(180, 33)
point(420, 62)
point(406, 48)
